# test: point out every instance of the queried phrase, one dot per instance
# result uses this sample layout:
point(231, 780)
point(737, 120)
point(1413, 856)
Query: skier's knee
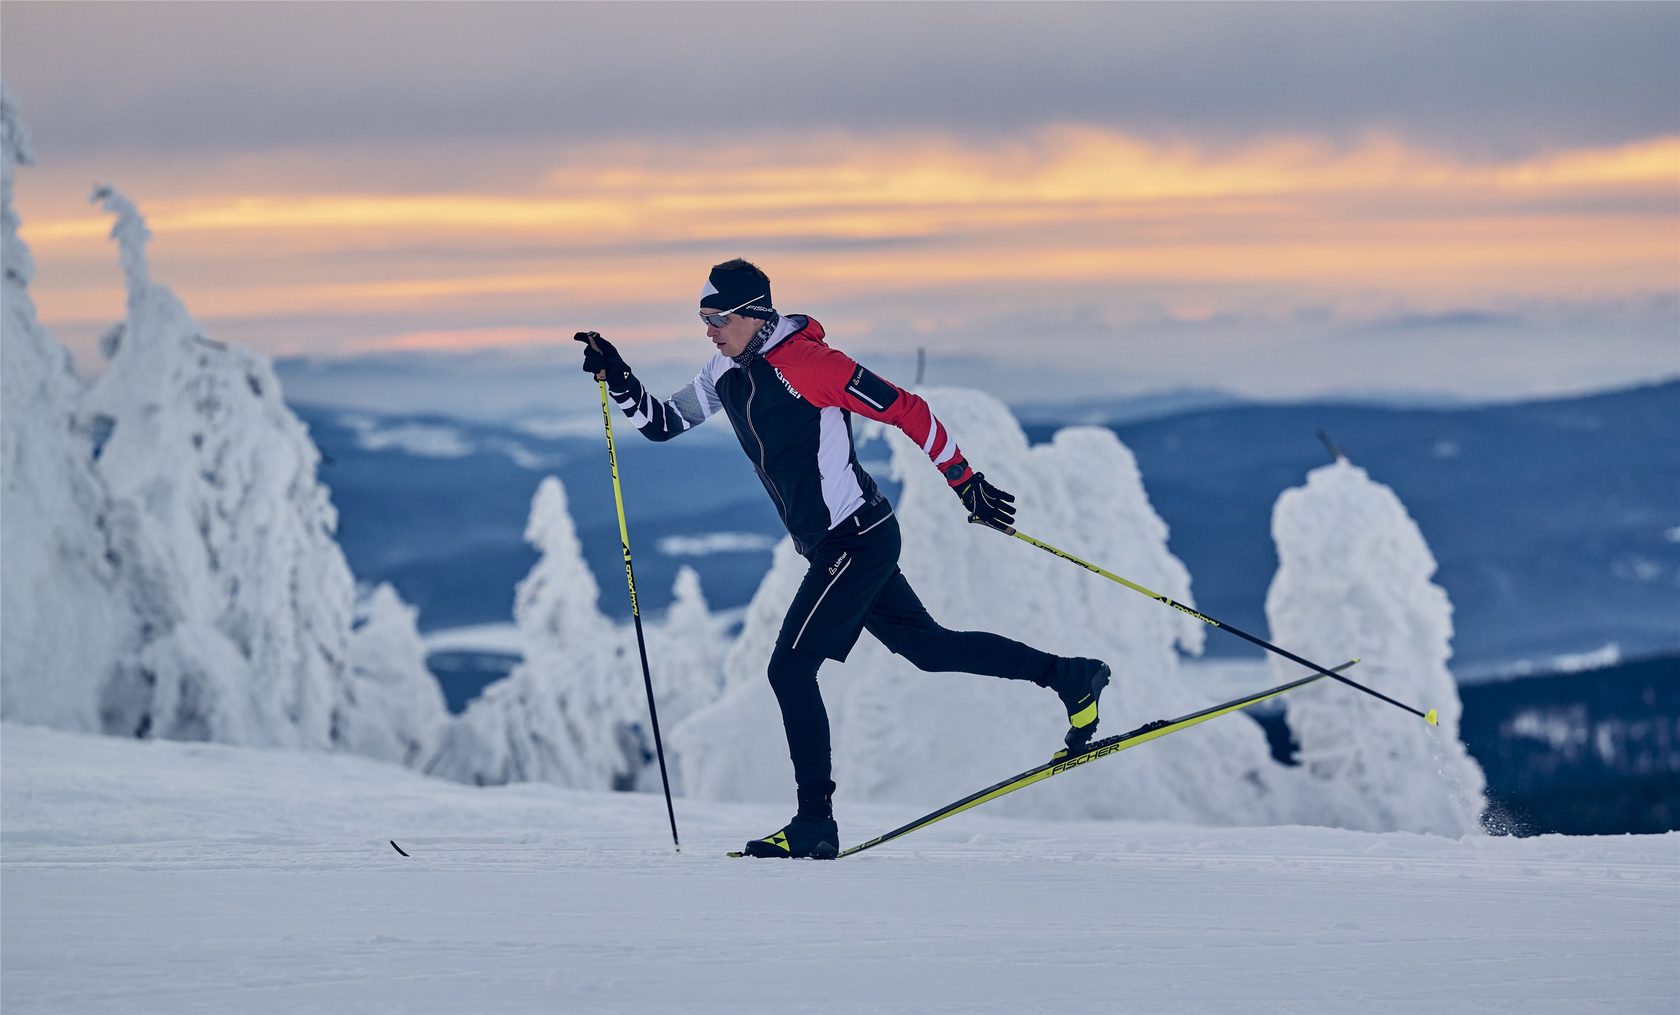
point(791, 667)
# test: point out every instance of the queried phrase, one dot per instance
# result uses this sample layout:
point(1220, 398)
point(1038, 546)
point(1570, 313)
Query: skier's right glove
point(987, 505)
point(602, 360)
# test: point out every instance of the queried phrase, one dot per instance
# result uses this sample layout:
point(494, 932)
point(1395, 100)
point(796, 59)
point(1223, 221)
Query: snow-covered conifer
point(64, 620)
point(567, 712)
point(223, 475)
point(252, 601)
point(391, 707)
point(1354, 579)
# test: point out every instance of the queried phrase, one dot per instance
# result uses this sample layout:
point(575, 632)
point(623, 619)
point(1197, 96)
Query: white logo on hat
point(710, 290)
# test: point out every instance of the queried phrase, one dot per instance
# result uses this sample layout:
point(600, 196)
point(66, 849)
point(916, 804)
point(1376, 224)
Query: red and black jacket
point(791, 407)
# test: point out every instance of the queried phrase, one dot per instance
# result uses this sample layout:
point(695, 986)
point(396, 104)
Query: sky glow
point(1510, 237)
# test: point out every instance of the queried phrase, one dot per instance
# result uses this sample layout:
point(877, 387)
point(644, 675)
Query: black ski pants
point(854, 584)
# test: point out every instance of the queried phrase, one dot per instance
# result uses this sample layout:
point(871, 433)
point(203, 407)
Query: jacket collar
point(787, 327)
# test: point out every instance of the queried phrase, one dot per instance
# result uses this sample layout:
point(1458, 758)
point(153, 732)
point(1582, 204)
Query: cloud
point(1507, 79)
point(1450, 319)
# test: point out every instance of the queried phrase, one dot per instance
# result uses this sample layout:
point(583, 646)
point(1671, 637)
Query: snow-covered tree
point(1354, 579)
point(228, 537)
point(565, 714)
point(925, 738)
point(686, 649)
point(391, 707)
point(224, 477)
point(64, 617)
point(574, 711)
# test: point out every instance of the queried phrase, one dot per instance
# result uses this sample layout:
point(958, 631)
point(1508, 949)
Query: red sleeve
point(828, 377)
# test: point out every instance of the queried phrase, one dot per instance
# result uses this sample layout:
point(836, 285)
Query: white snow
point(709, 543)
point(502, 638)
point(170, 567)
point(67, 615)
point(426, 440)
point(574, 711)
point(171, 877)
point(1608, 654)
point(253, 600)
point(396, 710)
point(1353, 581)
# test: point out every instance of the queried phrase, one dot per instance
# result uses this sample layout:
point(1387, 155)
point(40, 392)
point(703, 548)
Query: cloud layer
point(1160, 192)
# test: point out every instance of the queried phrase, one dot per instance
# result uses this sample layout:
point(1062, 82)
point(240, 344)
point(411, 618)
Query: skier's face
point(737, 331)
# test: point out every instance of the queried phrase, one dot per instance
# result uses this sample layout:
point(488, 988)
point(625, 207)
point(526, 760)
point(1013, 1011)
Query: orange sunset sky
point(1279, 199)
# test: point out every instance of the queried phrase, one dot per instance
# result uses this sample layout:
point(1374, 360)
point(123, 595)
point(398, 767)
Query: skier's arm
point(658, 420)
point(825, 377)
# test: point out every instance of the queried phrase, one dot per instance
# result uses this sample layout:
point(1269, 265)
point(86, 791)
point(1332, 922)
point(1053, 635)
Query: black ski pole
point(1430, 717)
point(635, 609)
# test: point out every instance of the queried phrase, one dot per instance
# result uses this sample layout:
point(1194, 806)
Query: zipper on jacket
point(763, 465)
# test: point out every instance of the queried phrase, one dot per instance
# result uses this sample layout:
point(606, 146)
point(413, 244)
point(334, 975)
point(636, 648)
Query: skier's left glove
point(987, 505)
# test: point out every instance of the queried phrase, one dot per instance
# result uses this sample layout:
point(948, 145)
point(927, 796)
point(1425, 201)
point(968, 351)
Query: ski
point(1065, 762)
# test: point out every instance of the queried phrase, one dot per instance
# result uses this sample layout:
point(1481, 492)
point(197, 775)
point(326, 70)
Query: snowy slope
point(170, 877)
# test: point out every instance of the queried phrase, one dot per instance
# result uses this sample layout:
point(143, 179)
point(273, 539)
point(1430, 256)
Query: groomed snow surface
point(156, 876)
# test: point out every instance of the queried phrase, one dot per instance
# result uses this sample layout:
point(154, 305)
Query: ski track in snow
point(169, 877)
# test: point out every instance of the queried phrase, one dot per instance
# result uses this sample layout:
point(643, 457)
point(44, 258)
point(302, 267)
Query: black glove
point(987, 505)
point(602, 360)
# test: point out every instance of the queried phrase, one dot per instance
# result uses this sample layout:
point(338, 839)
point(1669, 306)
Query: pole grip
point(588, 338)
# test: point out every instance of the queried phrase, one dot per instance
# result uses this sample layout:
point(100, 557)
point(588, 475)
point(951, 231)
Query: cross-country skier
point(790, 397)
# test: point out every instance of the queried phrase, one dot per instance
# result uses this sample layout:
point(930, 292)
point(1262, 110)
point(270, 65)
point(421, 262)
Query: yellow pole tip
point(1432, 719)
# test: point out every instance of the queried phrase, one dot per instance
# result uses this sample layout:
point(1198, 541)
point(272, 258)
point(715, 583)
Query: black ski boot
point(1079, 683)
point(812, 834)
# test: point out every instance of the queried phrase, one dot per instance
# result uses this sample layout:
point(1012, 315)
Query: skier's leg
point(903, 625)
point(823, 622)
point(899, 621)
point(793, 676)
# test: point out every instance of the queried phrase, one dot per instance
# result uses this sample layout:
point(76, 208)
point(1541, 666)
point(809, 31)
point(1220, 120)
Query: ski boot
point(1079, 683)
point(812, 834)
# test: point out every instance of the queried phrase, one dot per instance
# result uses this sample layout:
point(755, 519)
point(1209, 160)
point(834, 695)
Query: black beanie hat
point(740, 287)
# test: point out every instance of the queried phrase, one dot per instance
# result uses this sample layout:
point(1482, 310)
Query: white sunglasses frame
point(723, 318)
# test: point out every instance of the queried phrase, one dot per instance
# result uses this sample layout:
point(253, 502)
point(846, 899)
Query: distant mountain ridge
point(1555, 522)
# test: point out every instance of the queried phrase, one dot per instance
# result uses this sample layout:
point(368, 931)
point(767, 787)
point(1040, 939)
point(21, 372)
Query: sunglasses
point(719, 320)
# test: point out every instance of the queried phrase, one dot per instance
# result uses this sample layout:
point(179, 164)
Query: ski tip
point(396, 847)
point(1432, 719)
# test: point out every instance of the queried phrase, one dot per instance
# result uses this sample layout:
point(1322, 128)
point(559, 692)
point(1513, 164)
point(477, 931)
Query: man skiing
point(790, 398)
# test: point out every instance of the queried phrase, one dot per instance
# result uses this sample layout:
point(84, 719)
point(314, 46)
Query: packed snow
point(168, 877)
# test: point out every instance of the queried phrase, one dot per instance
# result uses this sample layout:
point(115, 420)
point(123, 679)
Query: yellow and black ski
point(1064, 762)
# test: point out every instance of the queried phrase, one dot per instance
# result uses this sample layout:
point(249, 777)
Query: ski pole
point(635, 610)
point(1430, 717)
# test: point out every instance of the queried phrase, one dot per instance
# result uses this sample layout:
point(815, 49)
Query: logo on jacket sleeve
point(871, 390)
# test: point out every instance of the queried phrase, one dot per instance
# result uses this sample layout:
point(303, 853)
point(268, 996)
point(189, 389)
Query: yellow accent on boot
point(1084, 717)
point(779, 840)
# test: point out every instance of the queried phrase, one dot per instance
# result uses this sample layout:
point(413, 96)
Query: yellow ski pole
point(1430, 717)
point(630, 579)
